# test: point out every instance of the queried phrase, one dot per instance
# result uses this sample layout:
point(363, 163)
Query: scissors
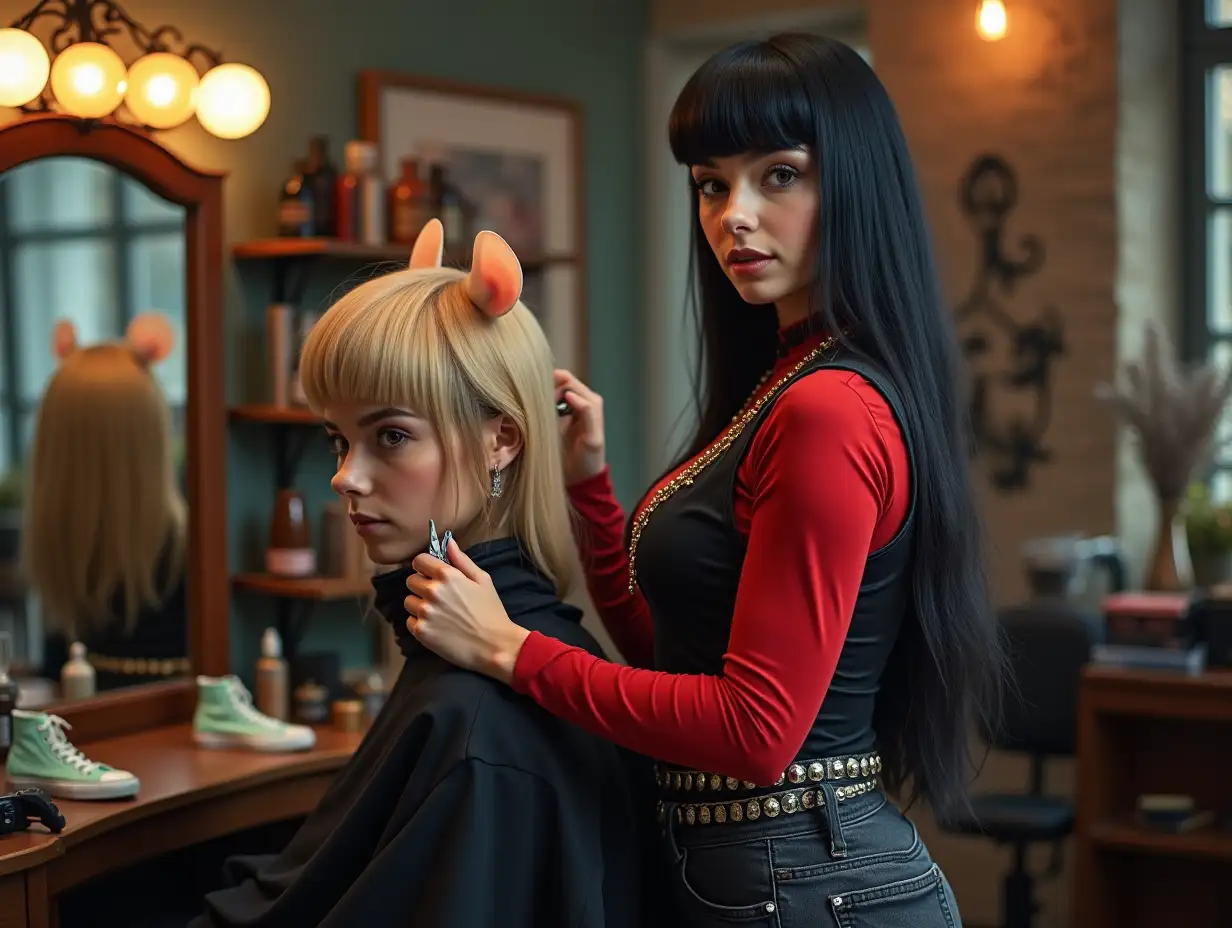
point(437, 547)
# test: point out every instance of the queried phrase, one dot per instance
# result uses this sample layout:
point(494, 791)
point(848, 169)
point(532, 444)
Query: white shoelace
point(243, 702)
point(64, 750)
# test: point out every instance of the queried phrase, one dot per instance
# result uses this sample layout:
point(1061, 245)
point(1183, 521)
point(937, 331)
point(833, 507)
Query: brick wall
point(1044, 98)
point(1093, 149)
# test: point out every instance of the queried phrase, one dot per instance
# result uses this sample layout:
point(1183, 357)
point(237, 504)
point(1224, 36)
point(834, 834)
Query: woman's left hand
point(455, 612)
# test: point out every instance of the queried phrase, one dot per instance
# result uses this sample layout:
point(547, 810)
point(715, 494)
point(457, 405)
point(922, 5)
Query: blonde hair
point(104, 515)
point(414, 338)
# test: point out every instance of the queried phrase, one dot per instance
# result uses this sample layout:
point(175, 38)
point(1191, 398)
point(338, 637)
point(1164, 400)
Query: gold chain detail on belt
point(683, 479)
point(787, 803)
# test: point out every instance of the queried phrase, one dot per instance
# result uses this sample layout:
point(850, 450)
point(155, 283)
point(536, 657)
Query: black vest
point(689, 559)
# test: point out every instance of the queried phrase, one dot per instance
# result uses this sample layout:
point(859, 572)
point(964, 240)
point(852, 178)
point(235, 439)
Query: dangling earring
point(497, 489)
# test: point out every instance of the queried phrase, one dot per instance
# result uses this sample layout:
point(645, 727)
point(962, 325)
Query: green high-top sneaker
point(42, 756)
point(225, 718)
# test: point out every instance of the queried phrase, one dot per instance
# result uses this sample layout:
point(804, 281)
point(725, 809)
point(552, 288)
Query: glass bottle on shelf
point(296, 207)
point(447, 206)
point(322, 180)
point(409, 204)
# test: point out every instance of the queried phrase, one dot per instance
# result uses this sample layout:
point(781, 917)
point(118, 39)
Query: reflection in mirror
point(91, 440)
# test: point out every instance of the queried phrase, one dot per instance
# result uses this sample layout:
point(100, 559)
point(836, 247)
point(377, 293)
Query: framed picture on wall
point(513, 162)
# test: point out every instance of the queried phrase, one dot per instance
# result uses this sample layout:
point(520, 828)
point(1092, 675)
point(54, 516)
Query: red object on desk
point(1149, 619)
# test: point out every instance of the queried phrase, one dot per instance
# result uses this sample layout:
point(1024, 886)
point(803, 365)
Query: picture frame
point(518, 161)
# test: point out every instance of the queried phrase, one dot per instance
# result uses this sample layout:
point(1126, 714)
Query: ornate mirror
point(99, 224)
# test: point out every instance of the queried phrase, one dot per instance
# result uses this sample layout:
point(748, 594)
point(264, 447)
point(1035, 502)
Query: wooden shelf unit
point(270, 414)
point(314, 588)
point(267, 249)
point(1152, 732)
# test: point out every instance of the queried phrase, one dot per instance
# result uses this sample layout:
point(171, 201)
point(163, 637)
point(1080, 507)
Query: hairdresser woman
point(802, 596)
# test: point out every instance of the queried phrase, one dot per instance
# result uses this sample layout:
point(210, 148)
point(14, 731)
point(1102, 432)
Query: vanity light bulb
point(161, 88)
point(88, 80)
point(232, 101)
point(991, 20)
point(24, 67)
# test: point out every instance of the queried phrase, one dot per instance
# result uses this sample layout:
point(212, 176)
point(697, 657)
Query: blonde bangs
point(377, 345)
point(414, 340)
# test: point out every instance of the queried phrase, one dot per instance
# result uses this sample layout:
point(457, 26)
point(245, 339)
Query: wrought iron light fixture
point(83, 76)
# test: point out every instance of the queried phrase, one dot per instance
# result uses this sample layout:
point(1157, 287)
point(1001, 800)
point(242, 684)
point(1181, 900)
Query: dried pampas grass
point(1173, 412)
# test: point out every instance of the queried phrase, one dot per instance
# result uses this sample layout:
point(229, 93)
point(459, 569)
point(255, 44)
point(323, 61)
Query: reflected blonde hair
point(104, 515)
point(414, 339)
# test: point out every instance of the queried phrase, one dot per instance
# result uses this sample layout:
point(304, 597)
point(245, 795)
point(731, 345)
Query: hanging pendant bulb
point(991, 20)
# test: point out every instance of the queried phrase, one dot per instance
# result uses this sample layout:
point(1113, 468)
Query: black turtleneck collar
point(794, 335)
point(528, 596)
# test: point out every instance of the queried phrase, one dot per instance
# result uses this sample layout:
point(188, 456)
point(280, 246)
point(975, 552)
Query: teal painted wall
point(590, 52)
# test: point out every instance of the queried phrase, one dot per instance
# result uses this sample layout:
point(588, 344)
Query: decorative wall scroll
point(1011, 362)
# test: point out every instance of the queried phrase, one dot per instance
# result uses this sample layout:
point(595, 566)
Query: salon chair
point(1048, 645)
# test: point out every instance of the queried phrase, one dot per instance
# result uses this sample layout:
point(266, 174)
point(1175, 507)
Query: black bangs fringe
point(747, 99)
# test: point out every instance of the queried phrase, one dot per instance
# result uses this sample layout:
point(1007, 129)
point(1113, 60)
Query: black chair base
point(1018, 821)
point(1018, 905)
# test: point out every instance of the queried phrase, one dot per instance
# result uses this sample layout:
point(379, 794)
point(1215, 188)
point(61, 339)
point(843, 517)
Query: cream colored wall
point(1092, 140)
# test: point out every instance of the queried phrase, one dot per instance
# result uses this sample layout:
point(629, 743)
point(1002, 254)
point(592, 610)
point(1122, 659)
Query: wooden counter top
point(27, 849)
point(188, 795)
point(174, 772)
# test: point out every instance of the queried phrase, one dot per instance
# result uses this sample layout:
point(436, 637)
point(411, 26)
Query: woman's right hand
point(582, 429)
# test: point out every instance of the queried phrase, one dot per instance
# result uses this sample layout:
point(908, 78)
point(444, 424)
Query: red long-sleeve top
point(825, 482)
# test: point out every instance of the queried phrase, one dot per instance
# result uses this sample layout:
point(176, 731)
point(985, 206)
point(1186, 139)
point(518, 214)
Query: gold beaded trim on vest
point(141, 666)
point(859, 766)
point(787, 803)
point(713, 453)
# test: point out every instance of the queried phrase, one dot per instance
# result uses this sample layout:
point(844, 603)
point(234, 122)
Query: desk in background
point(1143, 732)
point(188, 796)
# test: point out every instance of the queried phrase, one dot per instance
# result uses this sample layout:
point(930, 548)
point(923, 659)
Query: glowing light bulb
point(991, 20)
point(232, 101)
point(88, 80)
point(161, 89)
point(24, 67)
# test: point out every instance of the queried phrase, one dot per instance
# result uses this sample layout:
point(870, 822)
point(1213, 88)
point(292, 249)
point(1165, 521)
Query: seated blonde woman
point(103, 543)
point(466, 804)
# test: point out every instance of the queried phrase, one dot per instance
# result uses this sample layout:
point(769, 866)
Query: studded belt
point(848, 767)
point(788, 802)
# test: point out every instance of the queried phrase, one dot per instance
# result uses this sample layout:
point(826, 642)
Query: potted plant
point(1171, 411)
point(1208, 527)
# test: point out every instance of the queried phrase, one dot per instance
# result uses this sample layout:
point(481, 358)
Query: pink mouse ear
point(63, 339)
point(495, 279)
point(150, 336)
point(429, 246)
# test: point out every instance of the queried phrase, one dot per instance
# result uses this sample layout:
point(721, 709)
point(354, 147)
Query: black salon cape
point(466, 805)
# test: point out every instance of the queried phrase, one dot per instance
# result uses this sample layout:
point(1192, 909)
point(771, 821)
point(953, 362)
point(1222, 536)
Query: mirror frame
point(130, 150)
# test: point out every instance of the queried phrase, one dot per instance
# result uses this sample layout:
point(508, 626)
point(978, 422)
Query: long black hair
point(878, 283)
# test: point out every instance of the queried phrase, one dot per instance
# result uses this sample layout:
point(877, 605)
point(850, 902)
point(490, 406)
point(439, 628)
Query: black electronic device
point(21, 808)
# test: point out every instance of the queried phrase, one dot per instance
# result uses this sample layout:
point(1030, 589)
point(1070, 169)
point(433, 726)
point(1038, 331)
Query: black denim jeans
point(859, 863)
